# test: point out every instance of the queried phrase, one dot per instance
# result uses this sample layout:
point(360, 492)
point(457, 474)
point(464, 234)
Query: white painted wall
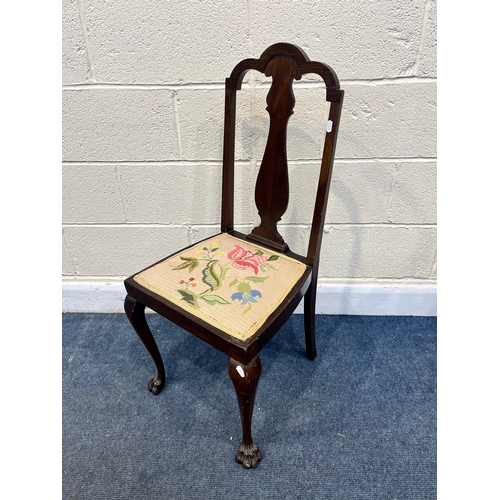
point(142, 131)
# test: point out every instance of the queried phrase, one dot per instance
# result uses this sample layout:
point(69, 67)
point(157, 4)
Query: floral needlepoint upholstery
point(232, 284)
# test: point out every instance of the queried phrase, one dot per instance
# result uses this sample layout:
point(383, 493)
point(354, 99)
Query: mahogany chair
point(236, 291)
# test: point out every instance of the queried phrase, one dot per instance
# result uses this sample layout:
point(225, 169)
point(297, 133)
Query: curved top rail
point(300, 58)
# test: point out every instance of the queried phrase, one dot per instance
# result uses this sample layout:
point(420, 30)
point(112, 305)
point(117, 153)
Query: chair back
point(285, 63)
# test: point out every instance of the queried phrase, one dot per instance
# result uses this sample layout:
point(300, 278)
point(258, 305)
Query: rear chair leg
point(135, 313)
point(310, 321)
point(245, 380)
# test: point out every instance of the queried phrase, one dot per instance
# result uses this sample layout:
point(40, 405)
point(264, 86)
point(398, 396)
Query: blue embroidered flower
point(247, 296)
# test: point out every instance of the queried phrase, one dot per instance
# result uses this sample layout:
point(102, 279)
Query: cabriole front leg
point(245, 379)
point(135, 313)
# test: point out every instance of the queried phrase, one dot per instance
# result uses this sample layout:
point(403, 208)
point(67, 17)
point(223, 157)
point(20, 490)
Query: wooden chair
point(235, 291)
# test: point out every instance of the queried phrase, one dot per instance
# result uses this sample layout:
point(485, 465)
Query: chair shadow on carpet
point(201, 372)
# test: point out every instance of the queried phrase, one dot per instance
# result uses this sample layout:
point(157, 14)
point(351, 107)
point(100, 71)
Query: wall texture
point(142, 131)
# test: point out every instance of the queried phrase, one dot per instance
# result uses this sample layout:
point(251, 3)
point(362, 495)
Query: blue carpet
point(359, 422)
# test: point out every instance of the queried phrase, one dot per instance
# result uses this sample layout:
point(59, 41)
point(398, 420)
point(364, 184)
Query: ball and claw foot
point(155, 385)
point(248, 455)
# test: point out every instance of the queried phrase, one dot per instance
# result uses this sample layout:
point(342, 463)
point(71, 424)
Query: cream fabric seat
point(231, 284)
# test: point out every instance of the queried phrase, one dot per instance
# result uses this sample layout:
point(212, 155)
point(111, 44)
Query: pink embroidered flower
point(245, 259)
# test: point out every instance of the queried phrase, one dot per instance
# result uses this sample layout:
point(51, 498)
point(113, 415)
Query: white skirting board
point(365, 300)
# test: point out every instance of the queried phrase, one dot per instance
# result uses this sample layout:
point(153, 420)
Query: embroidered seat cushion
point(229, 283)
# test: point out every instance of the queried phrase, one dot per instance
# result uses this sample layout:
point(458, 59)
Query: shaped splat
point(271, 190)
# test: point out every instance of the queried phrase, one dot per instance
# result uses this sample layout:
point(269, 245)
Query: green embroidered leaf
point(247, 309)
point(182, 266)
point(191, 262)
point(189, 297)
point(273, 257)
point(214, 299)
point(256, 279)
point(224, 270)
point(259, 252)
point(210, 276)
point(233, 282)
point(244, 287)
point(214, 249)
